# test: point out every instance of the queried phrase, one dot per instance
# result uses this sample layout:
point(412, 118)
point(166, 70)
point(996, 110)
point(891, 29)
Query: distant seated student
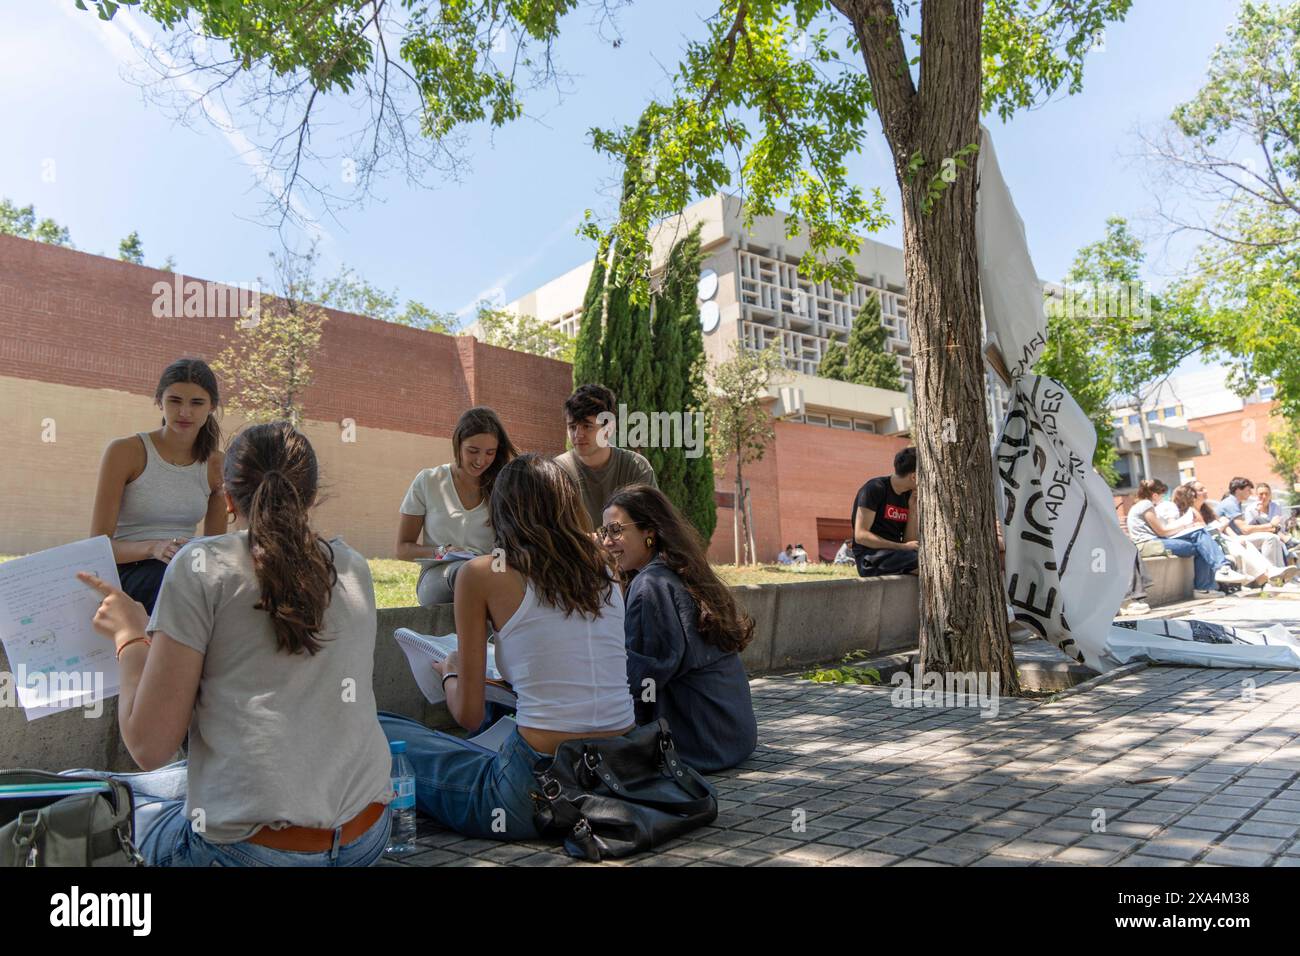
point(884, 521)
point(596, 465)
point(684, 632)
point(845, 554)
point(1263, 535)
point(799, 556)
point(786, 556)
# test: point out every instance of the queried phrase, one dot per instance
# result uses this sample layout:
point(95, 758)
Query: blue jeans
point(166, 838)
point(465, 789)
point(1209, 557)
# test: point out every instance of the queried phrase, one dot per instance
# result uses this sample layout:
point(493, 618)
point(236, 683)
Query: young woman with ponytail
point(684, 631)
point(155, 487)
point(261, 647)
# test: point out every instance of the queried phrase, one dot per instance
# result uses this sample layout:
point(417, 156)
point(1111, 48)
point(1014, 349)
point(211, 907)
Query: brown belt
point(315, 839)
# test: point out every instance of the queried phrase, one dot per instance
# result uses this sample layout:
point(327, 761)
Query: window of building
point(1171, 412)
point(1266, 393)
point(860, 426)
point(841, 423)
point(812, 419)
point(1153, 416)
point(1132, 419)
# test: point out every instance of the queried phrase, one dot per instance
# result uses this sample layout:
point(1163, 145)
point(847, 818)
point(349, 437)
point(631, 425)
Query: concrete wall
point(795, 625)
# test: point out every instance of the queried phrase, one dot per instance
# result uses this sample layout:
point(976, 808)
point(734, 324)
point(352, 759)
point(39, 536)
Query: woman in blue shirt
point(684, 631)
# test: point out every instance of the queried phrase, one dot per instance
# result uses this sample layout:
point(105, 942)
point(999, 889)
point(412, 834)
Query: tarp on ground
point(1203, 643)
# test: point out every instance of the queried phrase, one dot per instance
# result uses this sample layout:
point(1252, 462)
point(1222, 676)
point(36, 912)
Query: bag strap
point(702, 796)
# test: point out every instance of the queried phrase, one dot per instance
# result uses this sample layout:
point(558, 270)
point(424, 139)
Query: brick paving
point(1163, 766)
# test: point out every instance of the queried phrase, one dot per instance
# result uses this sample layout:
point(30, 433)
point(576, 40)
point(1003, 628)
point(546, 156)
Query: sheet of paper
point(56, 659)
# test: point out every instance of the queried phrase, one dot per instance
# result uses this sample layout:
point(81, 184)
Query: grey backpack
point(94, 828)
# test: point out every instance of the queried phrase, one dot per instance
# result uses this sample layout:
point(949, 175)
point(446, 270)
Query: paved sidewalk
point(1160, 767)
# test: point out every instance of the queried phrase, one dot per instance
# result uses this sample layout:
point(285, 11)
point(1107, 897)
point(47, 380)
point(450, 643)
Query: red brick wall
point(1236, 442)
point(72, 318)
point(809, 472)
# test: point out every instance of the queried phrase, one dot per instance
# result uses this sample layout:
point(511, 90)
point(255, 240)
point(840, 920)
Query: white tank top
point(570, 674)
point(166, 501)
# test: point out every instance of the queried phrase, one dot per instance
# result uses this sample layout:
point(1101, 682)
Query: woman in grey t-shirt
point(262, 650)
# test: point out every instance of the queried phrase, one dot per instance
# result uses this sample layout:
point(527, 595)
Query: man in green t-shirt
point(598, 467)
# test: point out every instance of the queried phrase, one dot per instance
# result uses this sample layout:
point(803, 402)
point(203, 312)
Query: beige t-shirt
point(276, 738)
point(447, 522)
point(623, 468)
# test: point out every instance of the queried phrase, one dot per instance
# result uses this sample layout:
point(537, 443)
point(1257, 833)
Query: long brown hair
point(541, 524)
point(1151, 486)
point(1184, 497)
point(720, 621)
point(271, 473)
point(481, 420)
point(196, 372)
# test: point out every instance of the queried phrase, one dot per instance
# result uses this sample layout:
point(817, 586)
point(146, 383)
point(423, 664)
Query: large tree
point(1110, 339)
point(1232, 157)
point(777, 91)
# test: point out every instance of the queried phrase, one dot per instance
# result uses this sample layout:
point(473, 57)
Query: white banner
point(1068, 563)
point(1009, 285)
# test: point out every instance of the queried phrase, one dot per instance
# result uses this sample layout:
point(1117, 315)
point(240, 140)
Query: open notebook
point(423, 649)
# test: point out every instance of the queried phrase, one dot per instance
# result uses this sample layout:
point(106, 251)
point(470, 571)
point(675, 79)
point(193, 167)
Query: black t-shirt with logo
point(891, 510)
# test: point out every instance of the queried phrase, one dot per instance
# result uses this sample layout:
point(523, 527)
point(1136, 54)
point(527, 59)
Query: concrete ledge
point(797, 624)
point(1172, 579)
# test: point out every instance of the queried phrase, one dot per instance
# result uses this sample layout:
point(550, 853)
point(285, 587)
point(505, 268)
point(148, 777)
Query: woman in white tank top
point(558, 616)
point(155, 487)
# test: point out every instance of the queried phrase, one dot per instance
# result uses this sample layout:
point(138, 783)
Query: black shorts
point(873, 562)
point(142, 580)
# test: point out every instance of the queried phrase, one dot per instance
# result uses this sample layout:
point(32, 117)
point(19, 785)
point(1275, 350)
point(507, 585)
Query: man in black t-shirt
point(884, 521)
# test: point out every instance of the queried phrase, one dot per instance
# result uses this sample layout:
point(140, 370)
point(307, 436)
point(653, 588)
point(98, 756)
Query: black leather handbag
point(615, 796)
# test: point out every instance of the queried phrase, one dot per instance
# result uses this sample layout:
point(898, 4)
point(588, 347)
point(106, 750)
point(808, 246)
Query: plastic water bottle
point(401, 838)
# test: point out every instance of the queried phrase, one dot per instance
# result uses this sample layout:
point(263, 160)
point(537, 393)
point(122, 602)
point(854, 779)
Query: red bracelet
point(133, 640)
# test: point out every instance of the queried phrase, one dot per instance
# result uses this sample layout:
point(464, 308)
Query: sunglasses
point(611, 532)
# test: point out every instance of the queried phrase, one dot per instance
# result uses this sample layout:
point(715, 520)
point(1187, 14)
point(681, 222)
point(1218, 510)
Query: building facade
point(751, 292)
point(1198, 428)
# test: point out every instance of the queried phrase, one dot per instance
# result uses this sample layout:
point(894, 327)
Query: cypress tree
point(869, 362)
point(587, 353)
point(698, 504)
point(670, 383)
point(834, 363)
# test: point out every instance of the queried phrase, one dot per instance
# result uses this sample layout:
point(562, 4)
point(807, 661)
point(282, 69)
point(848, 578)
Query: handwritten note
point(56, 660)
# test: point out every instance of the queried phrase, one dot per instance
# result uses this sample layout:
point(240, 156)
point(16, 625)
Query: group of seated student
point(1188, 526)
point(884, 521)
point(792, 554)
point(259, 642)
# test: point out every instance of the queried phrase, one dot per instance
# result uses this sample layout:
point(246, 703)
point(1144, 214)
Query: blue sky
point(84, 146)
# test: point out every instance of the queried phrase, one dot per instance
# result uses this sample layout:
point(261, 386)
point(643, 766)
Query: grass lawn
point(395, 580)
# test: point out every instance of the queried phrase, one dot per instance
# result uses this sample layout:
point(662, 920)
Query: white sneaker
point(1287, 574)
point(1227, 575)
point(1197, 592)
point(1134, 607)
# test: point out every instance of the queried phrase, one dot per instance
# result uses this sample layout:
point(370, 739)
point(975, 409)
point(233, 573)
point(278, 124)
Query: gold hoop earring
point(649, 542)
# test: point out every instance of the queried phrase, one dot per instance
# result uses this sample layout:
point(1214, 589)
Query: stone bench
point(1172, 579)
point(796, 624)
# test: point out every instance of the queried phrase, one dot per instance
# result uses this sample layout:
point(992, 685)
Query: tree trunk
point(963, 603)
point(735, 515)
